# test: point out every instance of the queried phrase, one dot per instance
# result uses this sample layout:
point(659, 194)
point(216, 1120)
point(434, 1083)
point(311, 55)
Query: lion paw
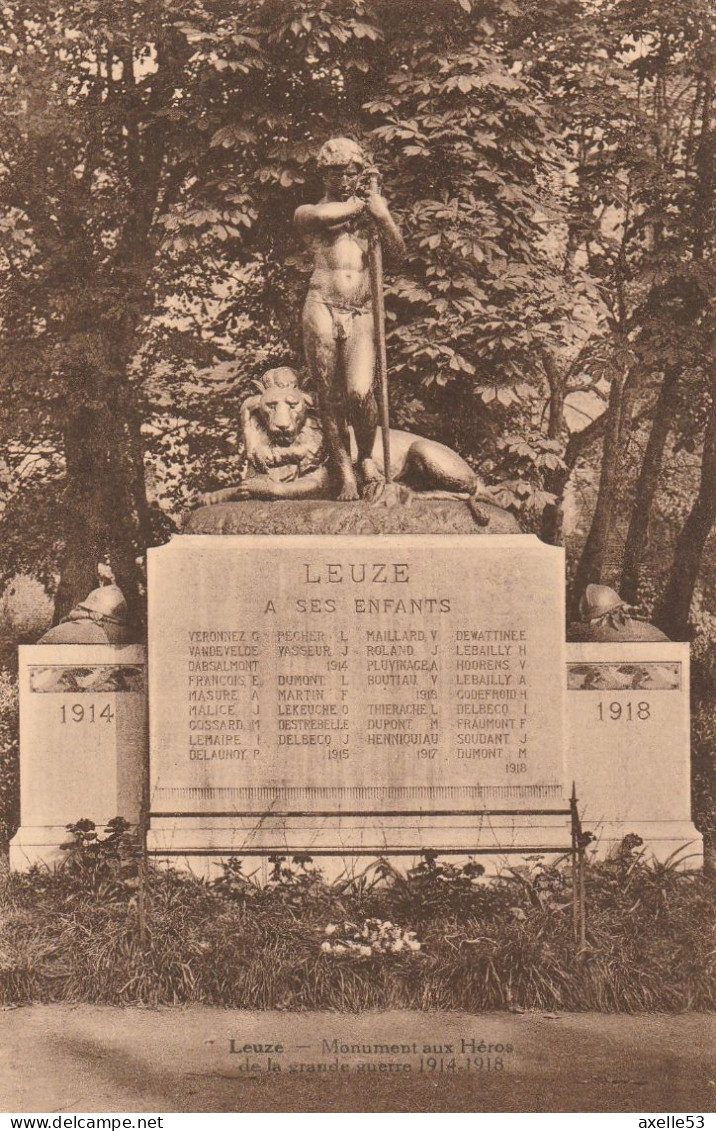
point(210, 498)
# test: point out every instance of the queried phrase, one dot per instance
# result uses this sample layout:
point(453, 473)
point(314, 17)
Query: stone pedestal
point(321, 516)
point(628, 744)
point(356, 675)
point(82, 742)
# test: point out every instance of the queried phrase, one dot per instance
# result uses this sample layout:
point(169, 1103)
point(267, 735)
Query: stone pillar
point(629, 745)
point(83, 724)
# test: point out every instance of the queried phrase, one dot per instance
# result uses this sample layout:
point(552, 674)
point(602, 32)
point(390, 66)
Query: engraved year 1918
point(627, 712)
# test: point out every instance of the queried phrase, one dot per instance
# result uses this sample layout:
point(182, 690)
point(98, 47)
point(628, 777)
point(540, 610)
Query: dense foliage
point(550, 165)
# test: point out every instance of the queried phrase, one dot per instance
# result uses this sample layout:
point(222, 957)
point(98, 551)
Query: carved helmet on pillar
point(600, 601)
point(106, 603)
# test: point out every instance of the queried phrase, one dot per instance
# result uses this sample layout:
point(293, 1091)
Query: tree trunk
point(577, 444)
point(111, 496)
point(84, 520)
point(130, 532)
point(672, 615)
point(552, 530)
point(704, 167)
point(591, 562)
point(555, 481)
point(106, 516)
point(637, 536)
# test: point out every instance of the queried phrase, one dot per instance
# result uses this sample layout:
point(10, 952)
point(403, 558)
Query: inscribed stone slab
point(315, 672)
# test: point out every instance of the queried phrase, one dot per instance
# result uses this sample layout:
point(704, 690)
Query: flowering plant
point(374, 937)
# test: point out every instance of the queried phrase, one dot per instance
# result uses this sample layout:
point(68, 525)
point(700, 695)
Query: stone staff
point(388, 494)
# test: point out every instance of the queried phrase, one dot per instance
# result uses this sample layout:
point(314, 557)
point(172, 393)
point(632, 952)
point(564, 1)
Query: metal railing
point(575, 849)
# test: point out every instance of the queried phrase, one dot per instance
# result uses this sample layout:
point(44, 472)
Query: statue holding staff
point(339, 332)
point(291, 453)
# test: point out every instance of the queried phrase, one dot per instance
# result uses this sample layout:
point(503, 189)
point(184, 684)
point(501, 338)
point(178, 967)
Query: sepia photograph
point(357, 572)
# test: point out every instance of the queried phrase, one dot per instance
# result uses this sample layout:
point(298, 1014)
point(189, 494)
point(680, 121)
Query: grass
point(72, 936)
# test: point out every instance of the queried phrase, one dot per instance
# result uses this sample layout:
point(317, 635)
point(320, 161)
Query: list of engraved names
point(366, 666)
point(434, 692)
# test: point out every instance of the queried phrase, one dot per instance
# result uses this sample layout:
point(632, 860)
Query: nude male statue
point(338, 328)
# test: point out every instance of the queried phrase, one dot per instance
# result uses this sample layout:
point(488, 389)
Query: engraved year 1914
point(92, 713)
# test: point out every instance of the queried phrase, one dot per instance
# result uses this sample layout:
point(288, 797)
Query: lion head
point(283, 406)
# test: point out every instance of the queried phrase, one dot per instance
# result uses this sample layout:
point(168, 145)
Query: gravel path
point(99, 1059)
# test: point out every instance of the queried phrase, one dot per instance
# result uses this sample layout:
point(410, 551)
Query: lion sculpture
point(286, 458)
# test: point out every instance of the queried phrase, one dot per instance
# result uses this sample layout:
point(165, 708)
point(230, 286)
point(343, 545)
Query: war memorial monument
point(353, 650)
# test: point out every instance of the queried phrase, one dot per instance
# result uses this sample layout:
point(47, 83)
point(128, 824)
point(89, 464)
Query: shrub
point(294, 884)
point(25, 610)
point(435, 887)
point(105, 865)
